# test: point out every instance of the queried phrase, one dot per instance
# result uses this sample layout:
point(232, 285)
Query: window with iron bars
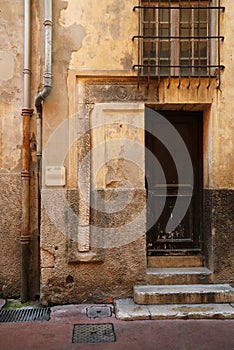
point(179, 38)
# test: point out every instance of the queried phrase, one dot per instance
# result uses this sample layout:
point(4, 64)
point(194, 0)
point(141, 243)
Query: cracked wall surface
point(10, 145)
point(93, 54)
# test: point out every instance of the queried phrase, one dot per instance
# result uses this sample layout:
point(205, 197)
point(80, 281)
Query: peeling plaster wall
point(92, 42)
point(98, 46)
point(11, 54)
point(11, 103)
point(10, 85)
point(109, 27)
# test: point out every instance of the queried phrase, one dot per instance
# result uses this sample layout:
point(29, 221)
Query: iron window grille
point(179, 38)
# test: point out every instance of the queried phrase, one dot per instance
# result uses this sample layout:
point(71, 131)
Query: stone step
point(175, 261)
point(183, 275)
point(126, 309)
point(183, 294)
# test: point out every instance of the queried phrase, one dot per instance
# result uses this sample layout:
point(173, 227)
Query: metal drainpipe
point(42, 95)
point(25, 172)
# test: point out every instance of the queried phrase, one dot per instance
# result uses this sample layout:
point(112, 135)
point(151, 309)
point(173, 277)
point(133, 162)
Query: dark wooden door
point(185, 238)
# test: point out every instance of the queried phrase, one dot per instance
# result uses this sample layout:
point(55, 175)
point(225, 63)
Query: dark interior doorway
point(186, 237)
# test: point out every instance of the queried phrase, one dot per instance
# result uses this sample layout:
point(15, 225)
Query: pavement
point(57, 333)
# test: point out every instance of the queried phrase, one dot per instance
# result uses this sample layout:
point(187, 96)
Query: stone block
point(126, 309)
point(183, 294)
point(83, 238)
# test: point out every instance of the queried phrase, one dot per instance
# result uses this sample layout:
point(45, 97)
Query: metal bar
point(189, 47)
point(179, 7)
point(139, 48)
point(169, 33)
point(190, 39)
point(219, 74)
point(199, 46)
point(209, 42)
point(148, 70)
point(159, 71)
point(177, 37)
point(7, 315)
point(179, 54)
point(178, 66)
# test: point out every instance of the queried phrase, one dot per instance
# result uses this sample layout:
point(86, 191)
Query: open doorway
point(185, 240)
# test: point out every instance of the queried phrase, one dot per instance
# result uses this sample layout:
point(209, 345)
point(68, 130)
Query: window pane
point(185, 49)
point(164, 15)
point(164, 70)
point(185, 14)
point(164, 49)
point(200, 15)
point(149, 15)
point(149, 30)
point(184, 71)
point(200, 29)
point(185, 31)
point(201, 70)
point(164, 30)
point(149, 49)
point(200, 47)
point(189, 25)
point(149, 70)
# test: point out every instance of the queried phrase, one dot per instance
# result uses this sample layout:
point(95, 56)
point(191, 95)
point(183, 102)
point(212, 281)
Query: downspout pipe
point(25, 171)
point(48, 24)
point(42, 95)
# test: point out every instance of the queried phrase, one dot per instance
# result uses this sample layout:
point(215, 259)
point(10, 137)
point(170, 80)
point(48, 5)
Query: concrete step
point(183, 294)
point(183, 275)
point(126, 309)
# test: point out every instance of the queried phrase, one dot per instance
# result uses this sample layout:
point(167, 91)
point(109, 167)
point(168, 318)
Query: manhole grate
point(25, 315)
point(98, 311)
point(93, 333)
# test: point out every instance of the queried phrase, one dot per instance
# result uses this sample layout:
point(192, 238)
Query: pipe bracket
point(25, 173)
point(25, 239)
point(27, 111)
point(48, 22)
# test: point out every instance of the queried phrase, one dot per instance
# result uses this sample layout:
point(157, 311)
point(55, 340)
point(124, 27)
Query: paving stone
point(191, 311)
point(126, 309)
point(2, 303)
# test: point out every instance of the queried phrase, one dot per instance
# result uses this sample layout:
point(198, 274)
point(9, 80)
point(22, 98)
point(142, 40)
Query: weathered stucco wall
point(99, 48)
point(11, 36)
point(93, 56)
point(11, 103)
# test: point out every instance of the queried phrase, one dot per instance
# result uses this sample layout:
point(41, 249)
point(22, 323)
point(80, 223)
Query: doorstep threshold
point(127, 310)
point(178, 270)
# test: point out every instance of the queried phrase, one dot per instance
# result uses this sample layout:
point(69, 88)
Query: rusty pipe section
point(25, 172)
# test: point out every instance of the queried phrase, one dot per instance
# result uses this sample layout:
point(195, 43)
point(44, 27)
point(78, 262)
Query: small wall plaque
point(55, 176)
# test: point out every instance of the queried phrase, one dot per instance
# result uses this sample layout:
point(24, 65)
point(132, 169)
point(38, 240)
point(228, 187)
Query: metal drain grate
point(25, 315)
point(93, 333)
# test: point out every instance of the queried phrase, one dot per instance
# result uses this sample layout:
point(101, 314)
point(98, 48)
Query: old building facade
point(116, 150)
